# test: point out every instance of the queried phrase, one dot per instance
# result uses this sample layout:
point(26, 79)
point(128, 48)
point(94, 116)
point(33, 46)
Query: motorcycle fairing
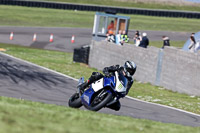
point(97, 85)
point(87, 96)
point(110, 81)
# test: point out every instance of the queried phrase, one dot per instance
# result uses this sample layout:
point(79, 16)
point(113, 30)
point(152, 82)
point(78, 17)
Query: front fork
point(81, 81)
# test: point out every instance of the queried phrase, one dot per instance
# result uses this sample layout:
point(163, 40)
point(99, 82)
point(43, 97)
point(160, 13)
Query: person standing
point(118, 38)
point(165, 41)
point(137, 35)
point(124, 38)
point(145, 41)
point(137, 38)
point(192, 44)
point(137, 42)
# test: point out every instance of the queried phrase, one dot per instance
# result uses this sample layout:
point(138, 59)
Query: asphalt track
point(25, 80)
point(62, 37)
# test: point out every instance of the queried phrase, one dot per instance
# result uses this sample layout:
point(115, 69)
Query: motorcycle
point(102, 93)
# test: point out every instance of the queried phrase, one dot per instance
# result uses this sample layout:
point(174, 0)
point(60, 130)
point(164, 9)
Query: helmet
point(130, 68)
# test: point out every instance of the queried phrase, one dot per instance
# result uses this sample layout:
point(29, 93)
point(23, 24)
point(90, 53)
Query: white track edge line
point(163, 106)
point(39, 66)
point(77, 80)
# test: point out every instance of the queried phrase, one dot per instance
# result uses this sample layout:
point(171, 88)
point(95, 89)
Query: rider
point(127, 70)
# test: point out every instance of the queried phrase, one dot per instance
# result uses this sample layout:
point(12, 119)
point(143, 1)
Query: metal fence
point(69, 6)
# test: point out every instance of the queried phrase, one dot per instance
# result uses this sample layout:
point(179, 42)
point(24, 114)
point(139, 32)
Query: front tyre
point(75, 101)
point(100, 101)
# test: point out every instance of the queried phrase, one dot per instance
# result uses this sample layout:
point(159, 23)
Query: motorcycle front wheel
point(75, 101)
point(100, 101)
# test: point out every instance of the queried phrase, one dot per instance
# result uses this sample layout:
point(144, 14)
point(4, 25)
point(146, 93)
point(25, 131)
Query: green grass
point(62, 62)
point(20, 116)
point(159, 44)
point(25, 16)
point(134, 4)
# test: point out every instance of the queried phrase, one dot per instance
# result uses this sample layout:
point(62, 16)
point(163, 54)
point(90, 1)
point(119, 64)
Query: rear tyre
point(100, 102)
point(75, 101)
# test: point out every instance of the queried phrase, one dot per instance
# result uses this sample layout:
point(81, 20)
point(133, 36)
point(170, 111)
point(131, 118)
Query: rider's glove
point(105, 70)
point(107, 74)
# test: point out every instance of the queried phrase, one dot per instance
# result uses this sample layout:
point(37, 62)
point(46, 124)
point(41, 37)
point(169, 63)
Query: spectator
point(111, 26)
point(110, 36)
point(118, 38)
point(124, 38)
point(193, 34)
point(165, 41)
point(137, 38)
point(192, 44)
point(137, 42)
point(197, 43)
point(145, 41)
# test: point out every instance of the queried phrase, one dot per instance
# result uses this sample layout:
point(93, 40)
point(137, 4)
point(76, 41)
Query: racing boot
point(116, 106)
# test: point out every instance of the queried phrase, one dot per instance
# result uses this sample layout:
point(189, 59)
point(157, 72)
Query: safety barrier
point(82, 7)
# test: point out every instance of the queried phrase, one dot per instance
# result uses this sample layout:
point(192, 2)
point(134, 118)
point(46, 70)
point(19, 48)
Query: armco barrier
point(171, 68)
point(82, 7)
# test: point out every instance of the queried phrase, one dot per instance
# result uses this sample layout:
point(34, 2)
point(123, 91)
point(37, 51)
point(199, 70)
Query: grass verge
point(19, 116)
point(62, 62)
point(159, 44)
point(26, 16)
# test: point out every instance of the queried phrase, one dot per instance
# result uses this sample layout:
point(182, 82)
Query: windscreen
point(123, 80)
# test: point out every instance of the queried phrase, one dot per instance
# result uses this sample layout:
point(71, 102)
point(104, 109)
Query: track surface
point(62, 37)
point(20, 79)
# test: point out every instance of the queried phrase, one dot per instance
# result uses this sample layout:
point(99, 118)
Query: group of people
point(119, 38)
point(141, 41)
point(122, 38)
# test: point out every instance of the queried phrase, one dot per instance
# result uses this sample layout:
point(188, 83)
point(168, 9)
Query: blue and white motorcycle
point(102, 93)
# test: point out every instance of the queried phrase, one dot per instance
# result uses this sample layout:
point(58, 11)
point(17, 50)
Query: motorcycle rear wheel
point(75, 101)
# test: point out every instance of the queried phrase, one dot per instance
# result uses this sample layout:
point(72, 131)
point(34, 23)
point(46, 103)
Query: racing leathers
point(110, 71)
